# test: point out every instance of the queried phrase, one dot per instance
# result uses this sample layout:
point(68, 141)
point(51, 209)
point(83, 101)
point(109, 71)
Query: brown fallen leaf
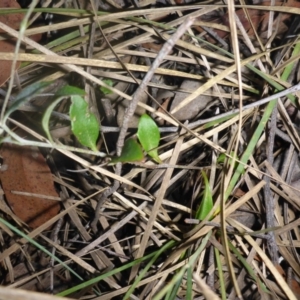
point(24, 169)
point(12, 20)
point(193, 108)
point(293, 284)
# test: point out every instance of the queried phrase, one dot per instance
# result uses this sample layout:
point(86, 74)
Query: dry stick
point(287, 171)
point(104, 196)
point(117, 225)
point(157, 204)
point(228, 171)
point(292, 89)
point(269, 200)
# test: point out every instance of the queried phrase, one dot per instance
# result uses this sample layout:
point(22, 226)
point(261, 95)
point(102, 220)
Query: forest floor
point(150, 149)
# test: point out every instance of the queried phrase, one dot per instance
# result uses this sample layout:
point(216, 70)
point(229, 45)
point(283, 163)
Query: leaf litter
point(129, 229)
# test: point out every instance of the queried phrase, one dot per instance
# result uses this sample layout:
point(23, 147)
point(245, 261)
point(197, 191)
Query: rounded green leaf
point(83, 123)
point(69, 90)
point(149, 136)
point(132, 151)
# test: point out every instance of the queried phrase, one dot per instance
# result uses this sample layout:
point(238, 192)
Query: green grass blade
point(248, 267)
point(33, 242)
point(189, 285)
point(206, 204)
point(288, 69)
point(172, 293)
point(251, 146)
point(106, 275)
point(24, 96)
point(165, 247)
point(260, 128)
point(182, 271)
point(221, 275)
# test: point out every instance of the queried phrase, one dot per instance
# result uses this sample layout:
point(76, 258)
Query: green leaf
point(105, 90)
point(69, 90)
point(207, 201)
point(149, 136)
point(84, 124)
point(61, 94)
point(222, 157)
point(132, 151)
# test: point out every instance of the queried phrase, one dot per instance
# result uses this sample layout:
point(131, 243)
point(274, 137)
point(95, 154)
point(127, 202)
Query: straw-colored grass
point(133, 230)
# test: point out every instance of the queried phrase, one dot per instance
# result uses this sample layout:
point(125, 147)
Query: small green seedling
point(84, 124)
point(86, 128)
point(132, 151)
point(149, 136)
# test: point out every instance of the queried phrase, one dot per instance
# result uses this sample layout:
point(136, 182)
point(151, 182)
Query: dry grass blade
point(17, 294)
point(207, 79)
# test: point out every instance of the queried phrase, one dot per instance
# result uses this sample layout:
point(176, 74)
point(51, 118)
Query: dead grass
point(147, 242)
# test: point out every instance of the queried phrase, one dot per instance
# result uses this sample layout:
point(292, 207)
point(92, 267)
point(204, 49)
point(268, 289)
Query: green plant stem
point(165, 247)
point(190, 263)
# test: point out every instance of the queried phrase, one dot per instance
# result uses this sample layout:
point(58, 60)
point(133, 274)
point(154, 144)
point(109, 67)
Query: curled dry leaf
point(120, 104)
point(122, 107)
point(24, 169)
point(192, 109)
point(12, 20)
point(293, 284)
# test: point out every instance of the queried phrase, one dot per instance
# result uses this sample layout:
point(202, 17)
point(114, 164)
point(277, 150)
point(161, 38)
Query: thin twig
point(104, 196)
point(269, 199)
